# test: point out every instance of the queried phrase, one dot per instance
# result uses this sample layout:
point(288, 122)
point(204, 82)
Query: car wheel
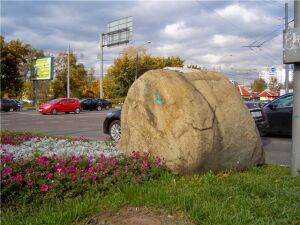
point(77, 110)
point(54, 111)
point(11, 109)
point(115, 130)
point(99, 108)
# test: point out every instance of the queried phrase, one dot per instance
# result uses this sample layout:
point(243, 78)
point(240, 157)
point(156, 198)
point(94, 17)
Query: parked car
point(104, 103)
point(90, 104)
point(279, 114)
point(8, 105)
point(112, 125)
point(65, 105)
point(19, 104)
point(260, 120)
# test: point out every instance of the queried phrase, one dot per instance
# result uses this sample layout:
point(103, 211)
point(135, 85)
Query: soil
point(137, 216)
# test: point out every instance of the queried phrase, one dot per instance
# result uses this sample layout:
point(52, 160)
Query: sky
point(205, 33)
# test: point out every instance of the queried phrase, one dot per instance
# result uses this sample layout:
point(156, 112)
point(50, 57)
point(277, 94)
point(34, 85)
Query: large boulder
point(195, 121)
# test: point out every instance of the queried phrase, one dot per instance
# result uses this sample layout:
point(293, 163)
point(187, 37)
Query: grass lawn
point(263, 195)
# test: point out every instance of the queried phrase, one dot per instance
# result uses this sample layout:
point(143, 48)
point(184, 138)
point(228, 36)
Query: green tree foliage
point(15, 66)
point(259, 85)
point(78, 76)
point(121, 74)
point(273, 85)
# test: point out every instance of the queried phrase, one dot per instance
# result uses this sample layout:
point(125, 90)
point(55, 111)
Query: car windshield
point(53, 101)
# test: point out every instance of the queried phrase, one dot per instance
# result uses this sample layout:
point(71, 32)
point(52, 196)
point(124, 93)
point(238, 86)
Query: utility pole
point(68, 76)
point(136, 65)
point(286, 9)
point(296, 110)
point(101, 66)
point(137, 60)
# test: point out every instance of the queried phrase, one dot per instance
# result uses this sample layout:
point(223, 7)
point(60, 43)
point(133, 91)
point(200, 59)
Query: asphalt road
point(88, 124)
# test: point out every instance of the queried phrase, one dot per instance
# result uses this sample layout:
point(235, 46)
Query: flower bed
point(45, 165)
point(48, 146)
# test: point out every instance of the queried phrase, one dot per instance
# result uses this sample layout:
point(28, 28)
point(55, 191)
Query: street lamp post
point(224, 56)
point(68, 76)
point(136, 61)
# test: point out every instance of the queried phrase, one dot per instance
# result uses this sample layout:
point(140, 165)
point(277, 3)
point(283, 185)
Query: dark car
point(8, 105)
point(91, 104)
point(112, 125)
point(279, 114)
point(19, 104)
point(258, 116)
point(104, 103)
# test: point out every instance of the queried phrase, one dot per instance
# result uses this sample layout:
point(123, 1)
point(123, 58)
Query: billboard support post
point(101, 67)
point(118, 32)
point(68, 75)
point(41, 69)
point(35, 93)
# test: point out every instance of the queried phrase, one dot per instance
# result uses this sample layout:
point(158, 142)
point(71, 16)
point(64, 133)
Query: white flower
point(48, 146)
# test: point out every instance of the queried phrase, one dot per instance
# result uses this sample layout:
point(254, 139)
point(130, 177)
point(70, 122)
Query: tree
point(121, 74)
point(89, 83)
point(15, 64)
point(78, 76)
point(259, 85)
point(273, 85)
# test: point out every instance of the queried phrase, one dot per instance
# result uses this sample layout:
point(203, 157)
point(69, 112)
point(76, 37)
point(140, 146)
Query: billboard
point(42, 69)
point(119, 31)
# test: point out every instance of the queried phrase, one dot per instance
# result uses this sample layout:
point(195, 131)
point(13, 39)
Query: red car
point(65, 105)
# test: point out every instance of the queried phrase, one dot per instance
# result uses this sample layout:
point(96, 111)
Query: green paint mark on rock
point(296, 117)
point(159, 101)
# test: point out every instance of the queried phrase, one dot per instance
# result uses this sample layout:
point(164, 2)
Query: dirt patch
point(137, 216)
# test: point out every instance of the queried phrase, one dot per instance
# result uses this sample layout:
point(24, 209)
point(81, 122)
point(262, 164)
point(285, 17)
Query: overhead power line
point(260, 42)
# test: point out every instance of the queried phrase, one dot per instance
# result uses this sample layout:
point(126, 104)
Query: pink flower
point(146, 163)
point(50, 176)
point(113, 163)
point(90, 169)
point(101, 156)
point(7, 172)
point(74, 177)
point(94, 176)
point(105, 173)
point(19, 178)
point(99, 166)
point(126, 169)
point(7, 158)
point(43, 161)
point(158, 161)
point(44, 188)
point(29, 182)
point(116, 173)
point(85, 176)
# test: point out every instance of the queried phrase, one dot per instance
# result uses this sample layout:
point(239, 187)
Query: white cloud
point(178, 31)
point(188, 29)
point(227, 40)
point(247, 15)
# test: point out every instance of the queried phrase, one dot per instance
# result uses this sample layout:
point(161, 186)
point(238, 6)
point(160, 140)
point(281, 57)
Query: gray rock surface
point(196, 121)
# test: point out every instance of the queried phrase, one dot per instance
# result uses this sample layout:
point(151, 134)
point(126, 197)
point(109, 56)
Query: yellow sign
point(43, 69)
